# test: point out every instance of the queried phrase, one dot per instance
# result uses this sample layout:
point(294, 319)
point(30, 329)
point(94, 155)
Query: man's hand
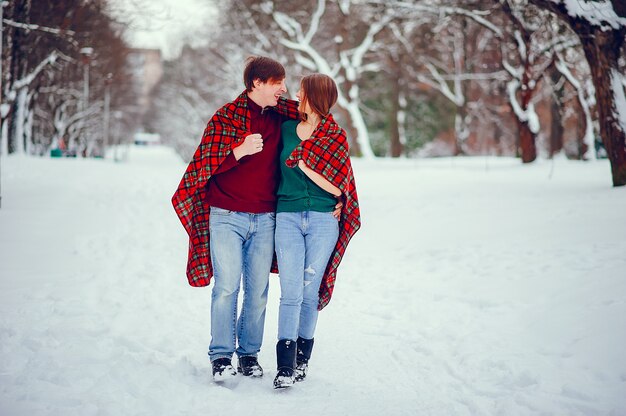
point(253, 143)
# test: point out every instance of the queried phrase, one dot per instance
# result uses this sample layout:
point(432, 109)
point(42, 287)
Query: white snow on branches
point(528, 115)
point(600, 13)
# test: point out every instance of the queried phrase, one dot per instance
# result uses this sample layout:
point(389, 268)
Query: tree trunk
point(521, 90)
point(363, 149)
point(528, 135)
point(528, 149)
point(461, 129)
point(395, 142)
point(601, 50)
point(461, 121)
point(580, 138)
point(346, 87)
point(28, 128)
point(556, 119)
point(602, 47)
point(497, 135)
point(4, 138)
point(20, 119)
point(556, 128)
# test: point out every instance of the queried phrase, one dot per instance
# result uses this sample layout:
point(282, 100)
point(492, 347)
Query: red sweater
point(227, 127)
point(250, 184)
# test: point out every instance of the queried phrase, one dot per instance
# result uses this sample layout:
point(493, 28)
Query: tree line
point(505, 77)
point(65, 79)
point(421, 77)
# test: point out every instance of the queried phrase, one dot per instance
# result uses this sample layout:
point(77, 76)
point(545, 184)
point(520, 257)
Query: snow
point(477, 286)
point(599, 13)
point(528, 115)
point(4, 110)
point(533, 119)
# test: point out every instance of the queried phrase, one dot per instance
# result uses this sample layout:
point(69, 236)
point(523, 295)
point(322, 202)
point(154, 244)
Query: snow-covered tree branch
point(601, 28)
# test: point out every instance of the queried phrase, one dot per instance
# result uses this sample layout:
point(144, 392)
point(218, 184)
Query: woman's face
point(303, 106)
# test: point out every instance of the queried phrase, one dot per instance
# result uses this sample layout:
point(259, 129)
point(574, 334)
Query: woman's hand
point(337, 211)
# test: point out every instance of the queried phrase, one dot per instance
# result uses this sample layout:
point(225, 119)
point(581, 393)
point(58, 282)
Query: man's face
point(269, 92)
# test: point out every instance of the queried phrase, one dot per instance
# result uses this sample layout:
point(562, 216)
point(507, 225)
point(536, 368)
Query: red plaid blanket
point(226, 130)
point(326, 152)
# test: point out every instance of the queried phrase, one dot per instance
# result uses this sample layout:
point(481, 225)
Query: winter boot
point(223, 369)
point(286, 359)
point(305, 347)
point(249, 366)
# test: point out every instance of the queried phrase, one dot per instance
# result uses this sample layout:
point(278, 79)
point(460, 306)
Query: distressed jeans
point(242, 247)
point(304, 242)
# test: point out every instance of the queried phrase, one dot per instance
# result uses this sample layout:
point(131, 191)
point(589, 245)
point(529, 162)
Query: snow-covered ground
point(475, 287)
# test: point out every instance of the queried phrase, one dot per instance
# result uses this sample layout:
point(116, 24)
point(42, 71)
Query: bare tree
point(191, 91)
point(526, 58)
point(445, 46)
point(42, 65)
point(335, 40)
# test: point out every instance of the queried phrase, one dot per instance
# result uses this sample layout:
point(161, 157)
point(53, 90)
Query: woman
point(310, 241)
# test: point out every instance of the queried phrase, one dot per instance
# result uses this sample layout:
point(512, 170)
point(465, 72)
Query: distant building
point(147, 68)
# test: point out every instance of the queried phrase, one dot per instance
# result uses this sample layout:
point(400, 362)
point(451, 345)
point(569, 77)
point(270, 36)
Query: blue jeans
point(242, 247)
point(304, 242)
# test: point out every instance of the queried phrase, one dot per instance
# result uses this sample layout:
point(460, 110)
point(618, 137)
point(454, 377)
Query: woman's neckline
point(310, 134)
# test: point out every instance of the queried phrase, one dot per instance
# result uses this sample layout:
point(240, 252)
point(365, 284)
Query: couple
point(270, 188)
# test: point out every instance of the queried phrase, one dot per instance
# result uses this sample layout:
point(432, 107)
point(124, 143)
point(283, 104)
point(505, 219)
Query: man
point(226, 201)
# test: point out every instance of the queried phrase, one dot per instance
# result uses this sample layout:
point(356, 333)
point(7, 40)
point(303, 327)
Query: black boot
point(305, 347)
point(286, 358)
point(223, 369)
point(249, 366)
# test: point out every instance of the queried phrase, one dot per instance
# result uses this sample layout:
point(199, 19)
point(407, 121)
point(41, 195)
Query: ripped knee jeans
point(304, 242)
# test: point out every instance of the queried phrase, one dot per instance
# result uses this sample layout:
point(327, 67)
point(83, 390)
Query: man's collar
point(254, 107)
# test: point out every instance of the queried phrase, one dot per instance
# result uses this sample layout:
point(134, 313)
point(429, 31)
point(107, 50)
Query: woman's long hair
point(319, 91)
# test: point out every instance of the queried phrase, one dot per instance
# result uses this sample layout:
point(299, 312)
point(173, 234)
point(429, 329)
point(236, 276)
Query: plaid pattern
point(226, 130)
point(326, 152)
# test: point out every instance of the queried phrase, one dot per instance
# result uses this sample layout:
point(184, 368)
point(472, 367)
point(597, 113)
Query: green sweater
point(296, 191)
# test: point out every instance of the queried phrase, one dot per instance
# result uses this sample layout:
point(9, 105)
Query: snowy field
point(475, 287)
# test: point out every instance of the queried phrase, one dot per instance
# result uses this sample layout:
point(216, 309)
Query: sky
point(164, 24)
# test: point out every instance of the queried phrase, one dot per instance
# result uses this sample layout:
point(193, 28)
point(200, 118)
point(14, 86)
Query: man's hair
point(320, 92)
point(262, 68)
